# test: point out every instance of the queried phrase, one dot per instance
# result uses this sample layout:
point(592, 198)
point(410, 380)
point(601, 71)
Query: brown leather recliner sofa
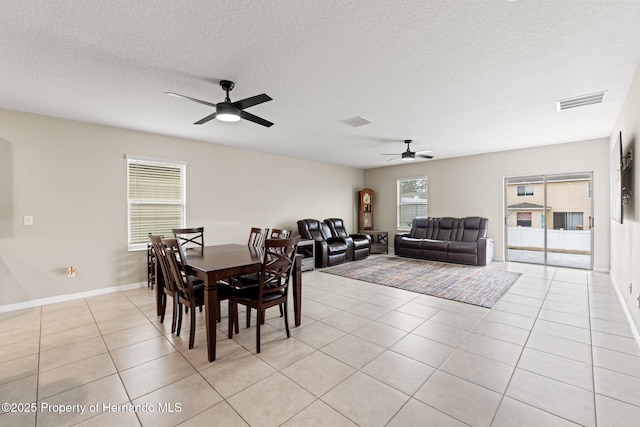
point(333, 245)
point(459, 240)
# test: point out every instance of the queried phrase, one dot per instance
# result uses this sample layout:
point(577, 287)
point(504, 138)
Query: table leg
point(211, 314)
point(297, 290)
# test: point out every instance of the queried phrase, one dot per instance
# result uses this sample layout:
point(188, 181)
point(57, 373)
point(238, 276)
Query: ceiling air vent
point(580, 101)
point(356, 121)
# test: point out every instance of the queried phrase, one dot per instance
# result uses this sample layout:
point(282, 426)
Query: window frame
point(399, 204)
point(525, 188)
point(152, 161)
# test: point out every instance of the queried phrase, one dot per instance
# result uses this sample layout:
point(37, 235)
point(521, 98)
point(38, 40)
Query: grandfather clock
point(366, 209)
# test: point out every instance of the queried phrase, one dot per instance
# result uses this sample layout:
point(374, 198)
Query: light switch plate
point(28, 220)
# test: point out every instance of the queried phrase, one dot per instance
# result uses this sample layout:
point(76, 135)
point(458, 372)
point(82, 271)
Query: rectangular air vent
point(580, 101)
point(356, 121)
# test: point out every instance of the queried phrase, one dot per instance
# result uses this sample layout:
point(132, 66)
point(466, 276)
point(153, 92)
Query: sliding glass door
point(549, 219)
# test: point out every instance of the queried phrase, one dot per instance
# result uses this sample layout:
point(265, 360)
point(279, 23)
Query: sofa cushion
point(336, 247)
point(463, 247)
point(446, 227)
point(411, 243)
point(419, 227)
point(434, 245)
point(469, 229)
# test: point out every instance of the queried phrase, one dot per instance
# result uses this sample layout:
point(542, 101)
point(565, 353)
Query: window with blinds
point(412, 200)
point(156, 198)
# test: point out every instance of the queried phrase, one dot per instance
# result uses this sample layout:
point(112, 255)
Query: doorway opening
point(549, 219)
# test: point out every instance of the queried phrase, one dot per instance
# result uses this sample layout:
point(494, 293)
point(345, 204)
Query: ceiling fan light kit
point(408, 156)
point(227, 113)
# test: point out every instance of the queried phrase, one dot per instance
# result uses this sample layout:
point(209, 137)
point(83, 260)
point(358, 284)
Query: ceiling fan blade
point(206, 119)
point(255, 119)
point(393, 158)
point(250, 102)
point(424, 156)
point(199, 101)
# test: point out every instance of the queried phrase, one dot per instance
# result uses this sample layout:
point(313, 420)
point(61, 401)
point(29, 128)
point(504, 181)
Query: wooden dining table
point(220, 262)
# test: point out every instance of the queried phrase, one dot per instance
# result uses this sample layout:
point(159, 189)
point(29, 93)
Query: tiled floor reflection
point(556, 350)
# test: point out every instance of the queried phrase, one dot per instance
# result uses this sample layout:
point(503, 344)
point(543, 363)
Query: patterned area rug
point(472, 285)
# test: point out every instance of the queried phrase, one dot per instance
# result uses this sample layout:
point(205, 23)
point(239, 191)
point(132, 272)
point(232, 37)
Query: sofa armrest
point(361, 236)
point(485, 250)
point(348, 241)
point(322, 253)
point(397, 238)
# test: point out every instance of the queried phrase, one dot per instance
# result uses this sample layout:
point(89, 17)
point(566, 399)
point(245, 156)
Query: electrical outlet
point(28, 220)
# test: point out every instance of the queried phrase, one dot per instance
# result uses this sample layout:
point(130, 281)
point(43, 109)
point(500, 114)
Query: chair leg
point(179, 326)
point(192, 328)
point(163, 298)
point(258, 323)
point(248, 317)
point(175, 315)
point(233, 312)
point(218, 318)
point(281, 310)
point(286, 319)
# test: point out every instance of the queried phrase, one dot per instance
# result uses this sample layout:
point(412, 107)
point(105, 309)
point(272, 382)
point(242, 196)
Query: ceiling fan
point(410, 155)
point(228, 111)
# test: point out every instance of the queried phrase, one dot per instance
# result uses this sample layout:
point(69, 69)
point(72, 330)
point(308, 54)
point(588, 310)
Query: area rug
point(480, 286)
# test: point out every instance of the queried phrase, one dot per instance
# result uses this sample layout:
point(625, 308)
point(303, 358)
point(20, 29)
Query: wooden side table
point(379, 241)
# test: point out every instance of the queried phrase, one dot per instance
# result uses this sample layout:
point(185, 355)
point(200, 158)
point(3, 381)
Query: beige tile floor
point(556, 350)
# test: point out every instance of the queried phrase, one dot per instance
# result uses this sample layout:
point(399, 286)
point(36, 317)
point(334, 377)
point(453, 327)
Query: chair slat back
point(257, 237)
point(159, 250)
point(277, 265)
point(178, 267)
point(189, 237)
point(280, 234)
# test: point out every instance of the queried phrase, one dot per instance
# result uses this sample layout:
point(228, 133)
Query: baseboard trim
point(69, 297)
point(625, 308)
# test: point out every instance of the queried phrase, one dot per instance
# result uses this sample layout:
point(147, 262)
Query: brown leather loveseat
point(333, 245)
point(459, 240)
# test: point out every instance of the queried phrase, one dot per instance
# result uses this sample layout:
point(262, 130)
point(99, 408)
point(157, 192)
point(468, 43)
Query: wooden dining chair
point(168, 286)
point(257, 236)
point(276, 233)
point(189, 290)
point(273, 285)
point(189, 237)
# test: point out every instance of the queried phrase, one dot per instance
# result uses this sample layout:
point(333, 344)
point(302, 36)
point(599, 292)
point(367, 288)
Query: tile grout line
point(593, 362)
point(524, 346)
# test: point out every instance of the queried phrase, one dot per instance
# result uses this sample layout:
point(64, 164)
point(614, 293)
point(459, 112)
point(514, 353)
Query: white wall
point(474, 186)
point(625, 237)
point(71, 177)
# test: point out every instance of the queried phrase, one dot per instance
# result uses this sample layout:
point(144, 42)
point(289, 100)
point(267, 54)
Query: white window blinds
point(412, 200)
point(156, 199)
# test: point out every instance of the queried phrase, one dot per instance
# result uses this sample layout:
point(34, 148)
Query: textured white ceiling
point(460, 77)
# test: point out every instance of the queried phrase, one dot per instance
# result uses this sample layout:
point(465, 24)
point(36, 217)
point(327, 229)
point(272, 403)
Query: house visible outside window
point(412, 200)
point(525, 190)
point(156, 198)
point(523, 219)
point(568, 220)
